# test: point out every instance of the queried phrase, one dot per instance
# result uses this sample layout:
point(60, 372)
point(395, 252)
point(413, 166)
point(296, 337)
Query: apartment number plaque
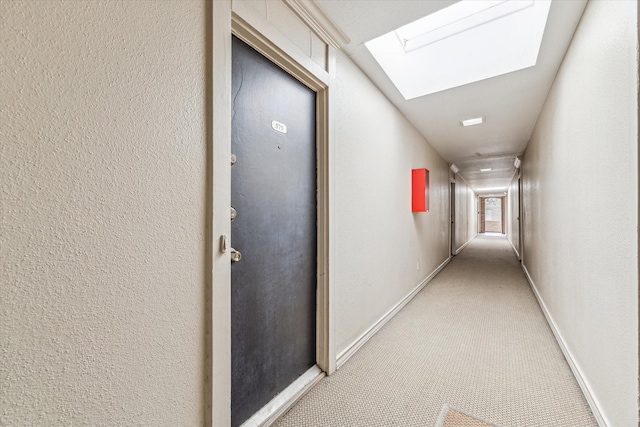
point(279, 127)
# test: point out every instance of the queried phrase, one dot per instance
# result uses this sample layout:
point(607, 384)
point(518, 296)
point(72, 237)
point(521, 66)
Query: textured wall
point(378, 240)
point(461, 217)
point(580, 197)
point(102, 177)
point(472, 222)
point(465, 221)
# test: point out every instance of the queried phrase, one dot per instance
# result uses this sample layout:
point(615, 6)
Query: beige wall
point(512, 214)
point(102, 176)
point(472, 222)
point(379, 242)
point(465, 221)
point(580, 198)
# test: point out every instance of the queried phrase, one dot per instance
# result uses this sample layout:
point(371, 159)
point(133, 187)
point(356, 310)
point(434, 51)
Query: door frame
point(482, 208)
point(503, 210)
point(244, 31)
point(452, 217)
point(482, 212)
point(229, 18)
point(520, 225)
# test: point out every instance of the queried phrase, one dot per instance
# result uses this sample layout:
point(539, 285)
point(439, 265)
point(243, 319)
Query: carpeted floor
point(474, 339)
point(450, 417)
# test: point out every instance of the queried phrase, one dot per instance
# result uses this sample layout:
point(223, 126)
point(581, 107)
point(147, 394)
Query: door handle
point(235, 255)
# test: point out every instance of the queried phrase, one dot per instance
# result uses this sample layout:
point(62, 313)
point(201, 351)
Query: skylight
point(471, 40)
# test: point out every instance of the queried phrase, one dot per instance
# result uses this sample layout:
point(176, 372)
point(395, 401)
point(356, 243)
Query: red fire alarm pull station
point(420, 190)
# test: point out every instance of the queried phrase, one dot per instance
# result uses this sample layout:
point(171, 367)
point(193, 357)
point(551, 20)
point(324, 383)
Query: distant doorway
point(492, 215)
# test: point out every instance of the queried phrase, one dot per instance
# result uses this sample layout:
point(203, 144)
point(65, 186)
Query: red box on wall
point(420, 190)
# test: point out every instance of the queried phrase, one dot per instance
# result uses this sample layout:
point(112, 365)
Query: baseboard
point(514, 248)
point(465, 245)
point(286, 399)
point(366, 336)
point(577, 372)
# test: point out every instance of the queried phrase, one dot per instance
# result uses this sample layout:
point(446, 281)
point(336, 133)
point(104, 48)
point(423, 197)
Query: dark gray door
point(273, 192)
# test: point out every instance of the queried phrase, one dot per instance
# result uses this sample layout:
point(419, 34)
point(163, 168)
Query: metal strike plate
point(234, 214)
point(223, 244)
point(235, 255)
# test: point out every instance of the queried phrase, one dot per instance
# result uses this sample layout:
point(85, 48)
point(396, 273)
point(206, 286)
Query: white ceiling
point(510, 103)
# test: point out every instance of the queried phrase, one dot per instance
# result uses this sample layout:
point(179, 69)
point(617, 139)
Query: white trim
point(366, 336)
point(318, 21)
point(329, 178)
point(285, 399)
point(218, 296)
point(575, 368)
point(514, 248)
point(465, 245)
point(266, 39)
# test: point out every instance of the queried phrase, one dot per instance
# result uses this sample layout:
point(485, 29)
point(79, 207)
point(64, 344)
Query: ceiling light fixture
point(491, 189)
point(471, 122)
point(485, 170)
point(454, 168)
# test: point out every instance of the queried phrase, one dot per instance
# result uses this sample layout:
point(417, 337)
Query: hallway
point(117, 246)
point(474, 339)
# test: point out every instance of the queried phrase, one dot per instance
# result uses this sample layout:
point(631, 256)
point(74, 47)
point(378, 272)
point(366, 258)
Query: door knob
point(235, 255)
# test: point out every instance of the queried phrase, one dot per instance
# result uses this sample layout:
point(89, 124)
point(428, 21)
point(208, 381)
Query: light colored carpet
point(474, 338)
point(450, 417)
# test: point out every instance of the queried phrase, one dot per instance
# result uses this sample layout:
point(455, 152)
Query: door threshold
point(285, 399)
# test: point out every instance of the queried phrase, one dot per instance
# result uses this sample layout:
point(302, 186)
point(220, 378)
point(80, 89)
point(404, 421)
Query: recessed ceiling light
point(485, 170)
point(471, 122)
point(490, 189)
point(466, 42)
